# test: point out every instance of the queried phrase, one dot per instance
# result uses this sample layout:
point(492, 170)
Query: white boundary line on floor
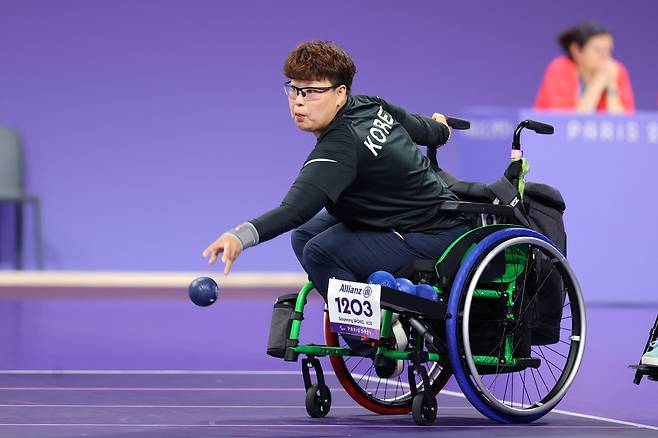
point(314, 426)
point(257, 372)
point(354, 406)
point(576, 414)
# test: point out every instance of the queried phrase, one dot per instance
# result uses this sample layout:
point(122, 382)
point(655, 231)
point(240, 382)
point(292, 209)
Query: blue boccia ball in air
point(203, 291)
point(426, 291)
point(384, 278)
point(405, 285)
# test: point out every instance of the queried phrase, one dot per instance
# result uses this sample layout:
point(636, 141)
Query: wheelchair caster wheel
point(423, 410)
point(318, 401)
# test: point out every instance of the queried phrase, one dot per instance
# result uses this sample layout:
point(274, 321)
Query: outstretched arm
point(302, 202)
point(329, 169)
point(423, 130)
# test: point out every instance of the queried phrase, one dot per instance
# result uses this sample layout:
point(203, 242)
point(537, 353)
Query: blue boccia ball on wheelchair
point(426, 291)
point(405, 285)
point(384, 278)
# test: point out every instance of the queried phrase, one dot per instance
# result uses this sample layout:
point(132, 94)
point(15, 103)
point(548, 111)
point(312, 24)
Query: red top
point(561, 87)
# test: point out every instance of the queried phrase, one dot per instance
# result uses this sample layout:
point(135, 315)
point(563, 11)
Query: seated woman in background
point(588, 78)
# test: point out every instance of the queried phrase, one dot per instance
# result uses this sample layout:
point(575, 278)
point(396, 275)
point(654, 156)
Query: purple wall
point(139, 116)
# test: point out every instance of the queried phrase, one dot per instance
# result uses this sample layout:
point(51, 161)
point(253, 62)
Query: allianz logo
point(350, 289)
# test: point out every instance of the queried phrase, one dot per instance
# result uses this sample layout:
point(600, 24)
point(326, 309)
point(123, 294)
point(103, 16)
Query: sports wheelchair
point(513, 359)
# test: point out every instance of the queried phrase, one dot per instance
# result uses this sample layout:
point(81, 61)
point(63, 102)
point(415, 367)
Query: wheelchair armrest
point(404, 303)
point(477, 208)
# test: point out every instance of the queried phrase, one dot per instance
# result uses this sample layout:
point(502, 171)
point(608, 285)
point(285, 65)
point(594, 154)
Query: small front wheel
point(318, 400)
point(423, 409)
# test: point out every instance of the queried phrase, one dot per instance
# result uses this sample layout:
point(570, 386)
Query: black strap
point(509, 195)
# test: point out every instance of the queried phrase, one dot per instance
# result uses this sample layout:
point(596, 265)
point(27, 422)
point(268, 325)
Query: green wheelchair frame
point(422, 315)
point(507, 279)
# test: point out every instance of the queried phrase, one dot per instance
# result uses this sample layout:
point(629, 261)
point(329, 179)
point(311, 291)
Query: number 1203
point(353, 306)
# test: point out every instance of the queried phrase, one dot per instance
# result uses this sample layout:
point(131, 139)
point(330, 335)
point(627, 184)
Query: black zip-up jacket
point(368, 171)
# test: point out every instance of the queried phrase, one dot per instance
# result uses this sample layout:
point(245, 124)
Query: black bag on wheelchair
point(284, 308)
point(545, 208)
point(542, 210)
point(547, 292)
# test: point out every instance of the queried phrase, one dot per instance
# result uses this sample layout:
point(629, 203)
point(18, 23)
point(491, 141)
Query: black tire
point(422, 410)
point(318, 401)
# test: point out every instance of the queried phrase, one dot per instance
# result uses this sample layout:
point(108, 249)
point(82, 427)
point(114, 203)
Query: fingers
point(206, 252)
point(229, 256)
point(440, 118)
point(215, 248)
point(231, 253)
point(230, 249)
point(227, 268)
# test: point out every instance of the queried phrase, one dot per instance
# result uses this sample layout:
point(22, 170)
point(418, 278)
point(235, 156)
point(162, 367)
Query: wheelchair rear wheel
point(390, 396)
point(511, 365)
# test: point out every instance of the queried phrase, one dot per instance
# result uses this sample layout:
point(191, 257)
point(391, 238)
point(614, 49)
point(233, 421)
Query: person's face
point(314, 112)
point(596, 51)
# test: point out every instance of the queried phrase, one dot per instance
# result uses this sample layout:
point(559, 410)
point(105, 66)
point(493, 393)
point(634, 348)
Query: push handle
point(458, 123)
point(539, 127)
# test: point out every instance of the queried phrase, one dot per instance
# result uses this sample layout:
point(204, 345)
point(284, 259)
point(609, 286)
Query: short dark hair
point(319, 60)
point(580, 34)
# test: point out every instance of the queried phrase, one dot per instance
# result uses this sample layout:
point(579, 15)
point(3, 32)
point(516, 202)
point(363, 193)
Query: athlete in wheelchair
point(505, 315)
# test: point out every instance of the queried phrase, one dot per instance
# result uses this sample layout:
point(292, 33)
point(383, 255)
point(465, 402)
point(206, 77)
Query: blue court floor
point(234, 403)
point(119, 345)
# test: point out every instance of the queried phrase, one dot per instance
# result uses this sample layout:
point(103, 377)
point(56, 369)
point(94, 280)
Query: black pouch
point(488, 333)
point(485, 328)
point(284, 307)
point(549, 294)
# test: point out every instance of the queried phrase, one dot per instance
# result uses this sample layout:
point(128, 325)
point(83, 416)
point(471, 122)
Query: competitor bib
point(354, 308)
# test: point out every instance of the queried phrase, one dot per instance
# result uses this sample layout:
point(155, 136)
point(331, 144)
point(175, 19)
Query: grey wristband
point(246, 233)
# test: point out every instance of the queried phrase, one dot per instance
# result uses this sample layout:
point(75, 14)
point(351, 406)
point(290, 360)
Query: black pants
point(327, 248)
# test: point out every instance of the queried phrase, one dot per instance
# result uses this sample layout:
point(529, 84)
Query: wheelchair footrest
point(521, 363)
point(645, 370)
point(322, 350)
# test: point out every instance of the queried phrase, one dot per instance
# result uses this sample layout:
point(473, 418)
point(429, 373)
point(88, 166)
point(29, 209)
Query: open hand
point(230, 248)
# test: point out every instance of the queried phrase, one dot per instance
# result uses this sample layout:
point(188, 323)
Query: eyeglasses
point(308, 93)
